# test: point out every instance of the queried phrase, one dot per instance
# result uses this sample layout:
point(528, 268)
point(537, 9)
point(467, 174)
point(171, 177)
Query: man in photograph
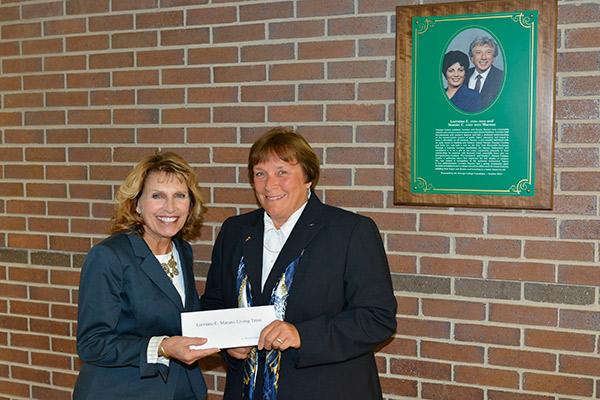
point(485, 77)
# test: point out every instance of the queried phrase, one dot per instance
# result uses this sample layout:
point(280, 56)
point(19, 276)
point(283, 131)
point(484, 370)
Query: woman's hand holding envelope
point(178, 347)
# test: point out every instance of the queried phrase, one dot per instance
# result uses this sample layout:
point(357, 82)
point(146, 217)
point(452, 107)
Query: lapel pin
point(247, 238)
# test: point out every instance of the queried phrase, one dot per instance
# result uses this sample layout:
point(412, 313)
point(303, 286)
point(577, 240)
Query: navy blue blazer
point(341, 300)
point(491, 87)
point(125, 298)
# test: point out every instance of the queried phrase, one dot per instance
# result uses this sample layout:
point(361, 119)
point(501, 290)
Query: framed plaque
point(475, 104)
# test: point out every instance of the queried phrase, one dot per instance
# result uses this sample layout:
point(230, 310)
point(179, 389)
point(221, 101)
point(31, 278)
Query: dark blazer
point(491, 87)
point(341, 301)
point(125, 298)
point(466, 99)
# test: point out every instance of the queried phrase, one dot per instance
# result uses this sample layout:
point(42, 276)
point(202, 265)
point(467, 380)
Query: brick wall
point(493, 304)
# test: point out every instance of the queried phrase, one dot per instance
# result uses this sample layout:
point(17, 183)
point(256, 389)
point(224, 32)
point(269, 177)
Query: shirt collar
point(288, 225)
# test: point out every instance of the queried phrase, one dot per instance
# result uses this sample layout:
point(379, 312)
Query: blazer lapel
point(187, 268)
point(252, 236)
point(151, 267)
point(308, 225)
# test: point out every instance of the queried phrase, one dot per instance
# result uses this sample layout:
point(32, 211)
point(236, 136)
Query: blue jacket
point(125, 298)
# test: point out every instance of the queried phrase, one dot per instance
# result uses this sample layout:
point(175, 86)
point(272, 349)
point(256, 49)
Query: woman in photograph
point(454, 69)
point(134, 286)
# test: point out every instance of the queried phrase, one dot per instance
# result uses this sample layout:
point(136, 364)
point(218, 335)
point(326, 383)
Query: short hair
point(483, 41)
point(127, 219)
point(452, 57)
point(290, 147)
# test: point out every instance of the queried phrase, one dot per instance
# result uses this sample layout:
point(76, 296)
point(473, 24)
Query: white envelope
point(233, 327)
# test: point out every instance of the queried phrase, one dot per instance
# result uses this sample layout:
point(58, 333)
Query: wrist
point(161, 349)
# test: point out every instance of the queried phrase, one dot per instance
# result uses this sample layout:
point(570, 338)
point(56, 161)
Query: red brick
point(87, 7)
point(558, 384)
point(522, 359)
point(452, 352)
point(356, 69)
point(64, 63)
point(488, 247)
point(313, 8)
point(451, 267)
point(185, 115)
point(296, 29)
point(112, 60)
point(54, 81)
point(355, 112)
point(53, 154)
point(88, 117)
point(373, 176)
point(221, 94)
point(134, 39)
point(417, 243)
point(87, 43)
point(186, 75)
point(159, 57)
point(486, 376)
point(64, 26)
point(519, 226)
point(577, 109)
point(354, 198)
point(71, 98)
point(238, 33)
point(69, 208)
point(580, 85)
point(20, 65)
point(50, 360)
point(161, 96)
point(159, 19)
point(135, 78)
point(160, 135)
point(77, 244)
point(446, 392)
point(521, 271)
point(451, 223)
point(66, 172)
point(89, 154)
point(12, 223)
point(267, 52)
point(10, 13)
point(46, 189)
point(213, 55)
point(211, 135)
point(90, 191)
point(357, 25)
point(326, 50)
point(213, 15)
point(21, 31)
point(110, 22)
point(25, 206)
point(575, 319)
point(239, 114)
point(266, 11)
point(578, 61)
point(20, 100)
point(42, 392)
point(241, 73)
point(184, 36)
point(111, 135)
point(376, 91)
point(556, 250)
point(582, 37)
point(88, 80)
point(10, 83)
point(326, 91)
point(121, 5)
point(523, 315)
point(453, 309)
point(10, 118)
point(9, 48)
point(296, 71)
point(579, 275)
point(487, 334)
point(112, 97)
point(575, 204)
point(234, 196)
point(564, 341)
point(403, 387)
point(580, 229)
point(136, 116)
point(376, 47)
point(24, 171)
point(14, 389)
point(29, 308)
point(295, 113)
point(33, 341)
point(42, 46)
point(420, 369)
point(27, 241)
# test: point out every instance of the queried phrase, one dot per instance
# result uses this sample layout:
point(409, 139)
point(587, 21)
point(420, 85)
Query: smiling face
point(482, 57)
point(164, 205)
point(280, 188)
point(455, 75)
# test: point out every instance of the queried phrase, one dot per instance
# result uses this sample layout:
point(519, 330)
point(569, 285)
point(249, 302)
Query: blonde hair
point(127, 219)
point(290, 147)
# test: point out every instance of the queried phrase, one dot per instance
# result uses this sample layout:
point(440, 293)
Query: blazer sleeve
point(369, 316)
point(100, 307)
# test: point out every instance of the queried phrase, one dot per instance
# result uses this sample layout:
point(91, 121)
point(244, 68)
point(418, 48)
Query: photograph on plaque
point(471, 127)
